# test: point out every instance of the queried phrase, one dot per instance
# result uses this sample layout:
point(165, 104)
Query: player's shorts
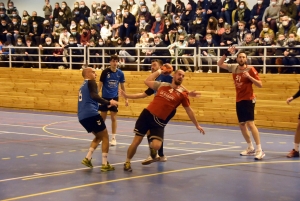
point(105, 108)
point(93, 124)
point(245, 110)
point(148, 121)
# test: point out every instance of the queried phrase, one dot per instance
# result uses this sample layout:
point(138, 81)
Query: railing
point(86, 55)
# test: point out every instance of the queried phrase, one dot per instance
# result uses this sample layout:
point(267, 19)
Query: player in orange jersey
point(155, 117)
point(244, 76)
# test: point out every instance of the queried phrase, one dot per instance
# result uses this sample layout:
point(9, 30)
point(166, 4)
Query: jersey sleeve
point(231, 67)
point(185, 101)
point(103, 76)
point(149, 92)
point(122, 77)
point(94, 93)
point(254, 73)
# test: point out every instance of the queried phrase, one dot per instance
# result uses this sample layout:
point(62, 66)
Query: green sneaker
point(87, 162)
point(127, 167)
point(106, 168)
point(153, 153)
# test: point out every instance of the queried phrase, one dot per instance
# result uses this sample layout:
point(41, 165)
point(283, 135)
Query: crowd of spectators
point(204, 24)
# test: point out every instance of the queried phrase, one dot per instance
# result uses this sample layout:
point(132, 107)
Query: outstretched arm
point(132, 96)
point(192, 117)
point(293, 97)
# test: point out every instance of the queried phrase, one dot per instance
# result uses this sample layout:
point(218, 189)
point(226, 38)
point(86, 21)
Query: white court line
point(121, 163)
point(170, 124)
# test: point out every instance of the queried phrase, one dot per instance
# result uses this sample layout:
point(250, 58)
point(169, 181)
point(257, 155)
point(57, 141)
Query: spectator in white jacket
point(133, 8)
point(64, 38)
point(106, 30)
point(154, 8)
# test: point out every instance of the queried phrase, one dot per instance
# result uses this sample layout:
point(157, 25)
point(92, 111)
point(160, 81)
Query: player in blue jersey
point(89, 118)
point(109, 85)
point(155, 65)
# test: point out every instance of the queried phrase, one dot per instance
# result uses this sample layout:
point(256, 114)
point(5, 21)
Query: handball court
point(41, 153)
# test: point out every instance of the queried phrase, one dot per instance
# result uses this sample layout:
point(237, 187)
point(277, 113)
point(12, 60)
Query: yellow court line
point(45, 130)
point(5, 158)
point(145, 176)
point(43, 176)
point(46, 153)
point(59, 152)
point(20, 156)
point(33, 155)
point(72, 150)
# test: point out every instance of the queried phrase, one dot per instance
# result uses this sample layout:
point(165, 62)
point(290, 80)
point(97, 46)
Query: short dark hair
point(114, 57)
point(241, 52)
point(160, 62)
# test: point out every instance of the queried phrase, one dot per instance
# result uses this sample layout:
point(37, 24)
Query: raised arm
point(223, 58)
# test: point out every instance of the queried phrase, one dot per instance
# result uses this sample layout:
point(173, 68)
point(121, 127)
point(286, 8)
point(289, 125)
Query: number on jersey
point(80, 96)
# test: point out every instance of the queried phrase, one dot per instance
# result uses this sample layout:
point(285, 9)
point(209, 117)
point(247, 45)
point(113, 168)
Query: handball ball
point(167, 69)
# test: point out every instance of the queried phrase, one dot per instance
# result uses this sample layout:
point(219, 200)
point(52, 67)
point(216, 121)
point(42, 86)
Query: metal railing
point(86, 55)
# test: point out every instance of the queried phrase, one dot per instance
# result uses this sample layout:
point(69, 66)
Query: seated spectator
point(63, 19)
point(169, 31)
point(93, 57)
point(188, 15)
point(82, 25)
point(267, 41)
point(242, 31)
point(97, 20)
point(85, 36)
point(220, 30)
point(35, 33)
point(169, 9)
point(242, 14)
point(13, 35)
point(3, 16)
point(24, 30)
point(47, 52)
point(212, 27)
point(287, 27)
point(110, 51)
point(158, 26)
point(214, 9)
point(226, 11)
point(73, 43)
point(178, 22)
point(105, 30)
point(188, 56)
point(110, 17)
point(84, 10)
point(105, 9)
point(47, 31)
point(30, 54)
point(58, 57)
point(282, 43)
point(127, 55)
point(99, 52)
point(270, 16)
point(208, 55)
point(154, 9)
point(291, 54)
point(177, 48)
point(141, 25)
point(257, 13)
point(15, 15)
point(267, 30)
point(64, 37)
point(133, 8)
point(255, 33)
point(146, 14)
point(19, 53)
point(128, 24)
point(198, 29)
point(250, 52)
point(33, 18)
point(77, 16)
point(10, 8)
point(75, 35)
point(5, 29)
point(94, 35)
point(57, 30)
point(180, 31)
point(67, 11)
point(291, 9)
point(228, 38)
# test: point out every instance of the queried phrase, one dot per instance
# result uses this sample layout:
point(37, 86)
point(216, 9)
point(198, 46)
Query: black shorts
point(105, 108)
point(148, 121)
point(245, 110)
point(93, 124)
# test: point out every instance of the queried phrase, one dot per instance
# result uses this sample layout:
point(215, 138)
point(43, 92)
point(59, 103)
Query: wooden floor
point(56, 90)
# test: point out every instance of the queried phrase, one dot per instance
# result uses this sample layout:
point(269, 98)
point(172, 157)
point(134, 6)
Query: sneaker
point(293, 154)
point(248, 152)
point(162, 159)
point(209, 71)
point(113, 142)
point(107, 167)
point(87, 162)
point(259, 155)
point(150, 160)
point(127, 167)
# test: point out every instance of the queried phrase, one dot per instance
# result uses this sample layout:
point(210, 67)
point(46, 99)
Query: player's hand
point(194, 94)
point(246, 74)
point(113, 103)
point(126, 102)
point(231, 49)
point(289, 100)
point(122, 93)
point(200, 129)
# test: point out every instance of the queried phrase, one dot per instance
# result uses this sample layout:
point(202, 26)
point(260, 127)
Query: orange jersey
point(167, 99)
point(243, 85)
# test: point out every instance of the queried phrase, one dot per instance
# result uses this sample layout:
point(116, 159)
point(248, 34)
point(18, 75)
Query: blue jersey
point(160, 78)
point(87, 107)
point(111, 80)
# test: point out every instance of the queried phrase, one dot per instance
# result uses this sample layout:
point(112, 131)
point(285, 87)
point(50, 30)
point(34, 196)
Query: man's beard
point(177, 82)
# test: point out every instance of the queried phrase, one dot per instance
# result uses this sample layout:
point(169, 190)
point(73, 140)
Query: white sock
point(104, 158)
point(250, 145)
point(296, 147)
point(90, 153)
point(113, 136)
point(258, 147)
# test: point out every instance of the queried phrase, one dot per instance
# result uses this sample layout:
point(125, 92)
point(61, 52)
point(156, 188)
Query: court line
point(121, 163)
point(171, 123)
point(43, 176)
point(145, 176)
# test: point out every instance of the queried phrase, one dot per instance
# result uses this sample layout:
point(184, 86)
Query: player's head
point(241, 58)
point(156, 64)
point(178, 77)
point(114, 60)
point(89, 73)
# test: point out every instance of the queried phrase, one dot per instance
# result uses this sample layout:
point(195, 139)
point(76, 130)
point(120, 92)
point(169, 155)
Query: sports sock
point(113, 136)
point(296, 147)
point(161, 150)
point(104, 158)
point(127, 160)
point(90, 153)
point(250, 145)
point(258, 147)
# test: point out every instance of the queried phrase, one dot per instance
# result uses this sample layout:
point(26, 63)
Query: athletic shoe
point(248, 152)
point(127, 167)
point(209, 71)
point(259, 155)
point(113, 142)
point(150, 160)
point(153, 153)
point(107, 167)
point(87, 162)
point(163, 159)
point(293, 154)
